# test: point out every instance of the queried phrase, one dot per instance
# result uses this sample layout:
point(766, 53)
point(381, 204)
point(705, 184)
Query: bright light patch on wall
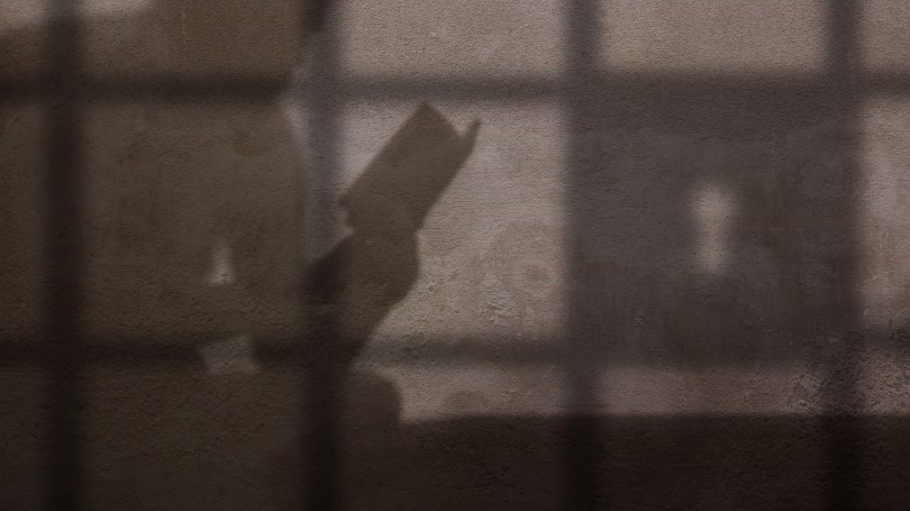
point(221, 272)
point(731, 37)
point(688, 391)
point(18, 14)
point(713, 209)
point(441, 38)
point(98, 7)
point(884, 35)
point(884, 213)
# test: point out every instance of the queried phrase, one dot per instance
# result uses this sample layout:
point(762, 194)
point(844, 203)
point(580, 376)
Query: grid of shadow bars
point(66, 351)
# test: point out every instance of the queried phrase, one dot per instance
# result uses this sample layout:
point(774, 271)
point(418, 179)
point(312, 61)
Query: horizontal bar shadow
point(380, 88)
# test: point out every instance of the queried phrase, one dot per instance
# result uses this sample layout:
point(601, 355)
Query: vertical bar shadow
point(841, 392)
point(585, 453)
point(64, 297)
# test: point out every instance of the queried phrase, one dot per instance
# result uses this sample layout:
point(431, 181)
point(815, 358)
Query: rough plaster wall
point(722, 248)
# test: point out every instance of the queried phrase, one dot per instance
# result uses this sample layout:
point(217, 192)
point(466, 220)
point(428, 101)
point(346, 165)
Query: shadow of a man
point(175, 179)
point(350, 290)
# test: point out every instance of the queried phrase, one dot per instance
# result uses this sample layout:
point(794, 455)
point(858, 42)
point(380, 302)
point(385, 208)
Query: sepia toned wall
point(589, 254)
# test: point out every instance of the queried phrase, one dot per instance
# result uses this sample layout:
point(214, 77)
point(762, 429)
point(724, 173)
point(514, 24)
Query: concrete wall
point(588, 254)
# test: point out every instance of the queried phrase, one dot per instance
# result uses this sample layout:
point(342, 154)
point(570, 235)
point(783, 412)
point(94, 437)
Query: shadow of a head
point(400, 186)
point(357, 283)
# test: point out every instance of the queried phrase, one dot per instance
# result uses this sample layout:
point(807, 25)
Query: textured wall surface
point(576, 254)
